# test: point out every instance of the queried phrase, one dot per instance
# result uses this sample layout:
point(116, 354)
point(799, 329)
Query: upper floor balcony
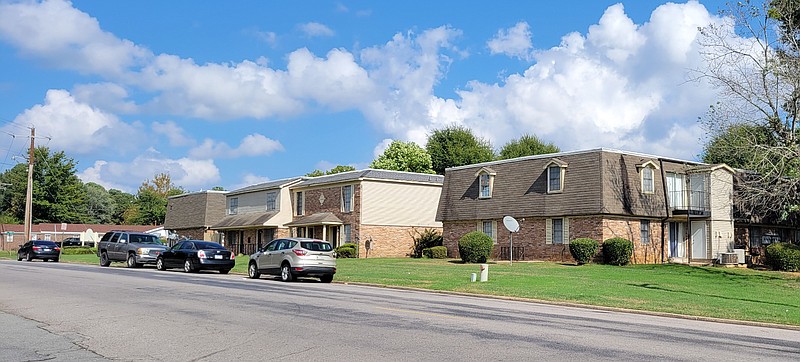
point(691, 203)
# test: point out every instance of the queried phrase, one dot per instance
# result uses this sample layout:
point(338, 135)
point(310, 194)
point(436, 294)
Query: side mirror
point(123, 241)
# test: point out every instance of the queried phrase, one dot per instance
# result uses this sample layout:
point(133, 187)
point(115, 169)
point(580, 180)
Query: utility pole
point(29, 193)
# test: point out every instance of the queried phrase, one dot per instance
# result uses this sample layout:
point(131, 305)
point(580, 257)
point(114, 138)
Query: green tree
point(527, 145)
point(457, 146)
point(99, 204)
point(218, 188)
point(737, 146)
point(337, 169)
point(123, 202)
point(151, 200)
point(58, 193)
point(404, 156)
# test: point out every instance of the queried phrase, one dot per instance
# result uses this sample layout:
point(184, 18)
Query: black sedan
point(39, 249)
point(195, 255)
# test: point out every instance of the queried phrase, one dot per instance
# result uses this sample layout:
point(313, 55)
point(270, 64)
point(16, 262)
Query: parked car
point(195, 255)
point(73, 241)
point(39, 249)
point(134, 248)
point(294, 257)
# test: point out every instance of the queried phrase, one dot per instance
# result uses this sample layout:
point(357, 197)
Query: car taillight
point(201, 254)
point(299, 252)
point(58, 249)
point(233, 255)
point(36, 248)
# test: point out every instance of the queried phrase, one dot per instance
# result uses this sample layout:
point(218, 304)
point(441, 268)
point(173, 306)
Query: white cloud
point(252, 145)
point(616, 33)
point(313, 29)
point(110, 97)
point(76, 127)
point(381, 147)
point(514, 42)
point(185, 172)
point(175, 134)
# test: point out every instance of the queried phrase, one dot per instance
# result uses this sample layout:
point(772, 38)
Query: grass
point(730, 293)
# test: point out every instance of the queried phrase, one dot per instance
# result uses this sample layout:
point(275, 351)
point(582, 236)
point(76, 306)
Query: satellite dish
point(511, 224)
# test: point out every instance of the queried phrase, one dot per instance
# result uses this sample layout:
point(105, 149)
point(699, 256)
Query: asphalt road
point(70, 312)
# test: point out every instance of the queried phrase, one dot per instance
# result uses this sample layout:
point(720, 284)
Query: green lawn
point(731, 293)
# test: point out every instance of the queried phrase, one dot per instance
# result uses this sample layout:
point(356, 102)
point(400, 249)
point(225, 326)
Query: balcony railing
point(694, 203)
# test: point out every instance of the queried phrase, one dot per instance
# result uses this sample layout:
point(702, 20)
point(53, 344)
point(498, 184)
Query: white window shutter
point(548, 230)
point(566, 230)
point(479, 226)
point(494, 231)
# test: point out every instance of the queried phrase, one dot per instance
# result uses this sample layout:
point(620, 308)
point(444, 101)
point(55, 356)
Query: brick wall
point(388, 241)
point(332, 202)
point(630, 229)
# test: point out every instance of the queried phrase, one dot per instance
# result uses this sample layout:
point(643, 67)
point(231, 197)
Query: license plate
point(45, 249)
point(217, 256)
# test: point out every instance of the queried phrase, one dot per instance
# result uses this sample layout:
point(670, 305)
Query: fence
point(519, 253)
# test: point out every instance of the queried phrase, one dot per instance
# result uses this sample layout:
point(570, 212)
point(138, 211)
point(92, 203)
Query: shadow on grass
point(756, 277)
point(659, 288)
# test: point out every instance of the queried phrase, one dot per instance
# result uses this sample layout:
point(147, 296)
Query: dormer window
point(555, 175)
point(485, 182)
point(647, 173)
point(233, 206)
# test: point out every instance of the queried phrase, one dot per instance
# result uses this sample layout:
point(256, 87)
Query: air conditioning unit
point(740, 256)
point(728, 258)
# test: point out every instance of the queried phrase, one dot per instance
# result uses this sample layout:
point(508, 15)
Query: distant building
point(191, 215)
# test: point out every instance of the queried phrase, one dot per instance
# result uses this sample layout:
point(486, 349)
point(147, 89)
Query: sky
point(235, 93)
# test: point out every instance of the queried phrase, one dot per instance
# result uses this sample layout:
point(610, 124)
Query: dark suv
point(134, 248)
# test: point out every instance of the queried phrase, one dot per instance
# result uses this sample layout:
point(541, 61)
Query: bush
point(346, 251)
point(475, 247)
point(583, 250)
point(77, 250)
point(783, 256)
point(426, 239)
point(617, 251)
point(436, 252)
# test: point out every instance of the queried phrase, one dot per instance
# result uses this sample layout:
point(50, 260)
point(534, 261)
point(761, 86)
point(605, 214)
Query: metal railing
point(519, 253)
point(689, 200)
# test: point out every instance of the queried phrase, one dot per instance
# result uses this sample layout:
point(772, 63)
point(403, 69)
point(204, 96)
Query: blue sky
point(238, 92)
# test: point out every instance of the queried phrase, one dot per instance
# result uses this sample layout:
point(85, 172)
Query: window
point(346, 232)
point(233, 206)
point(676, 190)
point(272, 198)
point(554, 179)
point(645, 229)
point(486, 191)
point(347, 198)
point(301, 232)
point(557, 231)
point(299, 203)
point(647, 180)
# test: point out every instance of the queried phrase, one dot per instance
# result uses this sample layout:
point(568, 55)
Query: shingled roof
point(373, 174)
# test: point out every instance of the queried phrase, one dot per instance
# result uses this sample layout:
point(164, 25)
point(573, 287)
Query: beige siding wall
point(249, 202)
point(721, 233)
point(284, 208)
point(399, 204)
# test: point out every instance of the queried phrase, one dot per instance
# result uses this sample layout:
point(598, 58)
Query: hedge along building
point(380, 211)
point(670, 209)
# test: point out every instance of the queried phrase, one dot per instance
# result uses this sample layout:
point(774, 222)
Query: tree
point(99, 204)
point(151, 200)
point(404, 156)
point(527, 145)
point(58, 194)
point(123, 202)
point(758, 77)
point(337, 169)
point(218, 188)
point(457, 146)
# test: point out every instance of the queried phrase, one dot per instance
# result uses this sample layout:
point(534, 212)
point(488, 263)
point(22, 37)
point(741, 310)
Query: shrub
point(617, 251)
point(77, 250)
point(346, 251)
point(475, 247)
point(428, 238)
point(783, 256)
point(436, 252)
point(583, 250)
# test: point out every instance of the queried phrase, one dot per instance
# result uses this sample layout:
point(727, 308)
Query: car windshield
point(207, 245)
point(145, 239)
point(316, 246)
point(44, 243)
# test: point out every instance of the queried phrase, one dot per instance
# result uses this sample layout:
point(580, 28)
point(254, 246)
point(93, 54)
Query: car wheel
point(160, 264)
point(19, 258)
point(286, 273)
point(188, 266)
point(224, 271)
point(252, 271)
point(326, 278)
point(104, 259)
point(29, 257)
point(55, 260)
point(132, 261)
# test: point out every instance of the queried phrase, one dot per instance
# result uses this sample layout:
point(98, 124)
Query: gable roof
point(372, 174)
point(245, 220)
point(266, 186)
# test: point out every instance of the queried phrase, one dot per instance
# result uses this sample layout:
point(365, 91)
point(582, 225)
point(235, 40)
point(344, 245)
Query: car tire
point(55, 260)
point(188, 266)
point(160, 264)
point(19, 258)
point(224, 271)
point(286, 273)
point(252, 271)
point(29, 257)
point(326, 278)
point(131, 261)
point(104, 262)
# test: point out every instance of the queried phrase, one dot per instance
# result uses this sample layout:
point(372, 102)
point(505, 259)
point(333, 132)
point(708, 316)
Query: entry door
point(677, 240)
point(333, 236)
point(699, 242)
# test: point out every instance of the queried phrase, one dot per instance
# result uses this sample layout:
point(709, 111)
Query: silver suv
point(294, 257)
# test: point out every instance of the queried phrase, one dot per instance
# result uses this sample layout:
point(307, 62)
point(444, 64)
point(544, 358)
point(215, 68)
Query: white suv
point(294, 257)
